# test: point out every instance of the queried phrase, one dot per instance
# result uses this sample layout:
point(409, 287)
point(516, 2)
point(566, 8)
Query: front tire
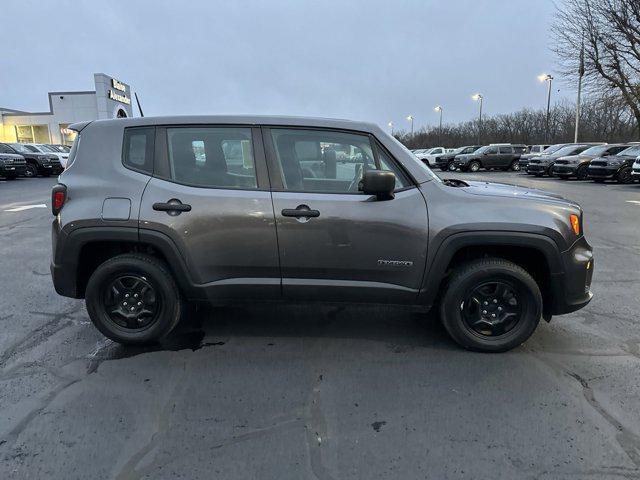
point(581, 172)
point(31, 171)
point(474, 166)
point(624, 176)
point(133, 299)
point(491, 305)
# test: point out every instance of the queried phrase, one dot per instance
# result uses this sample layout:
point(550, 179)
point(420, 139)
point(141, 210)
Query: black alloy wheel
point(625, 176)
point(492, 308)
point(581, 172)
point(131, 302)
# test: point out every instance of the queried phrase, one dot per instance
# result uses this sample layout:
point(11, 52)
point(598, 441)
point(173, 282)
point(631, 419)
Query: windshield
point(553, 149)
point(632, 151)
point(24, 148)
point(597, 150)
point(568, 150)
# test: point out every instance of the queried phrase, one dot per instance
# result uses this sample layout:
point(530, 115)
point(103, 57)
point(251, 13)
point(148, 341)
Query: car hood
point(513, 191)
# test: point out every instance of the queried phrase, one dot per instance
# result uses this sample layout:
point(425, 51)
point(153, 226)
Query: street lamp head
point(438, 108)
point(544, 77)
point(390, 124)
point(476, 96)
point(410, 117)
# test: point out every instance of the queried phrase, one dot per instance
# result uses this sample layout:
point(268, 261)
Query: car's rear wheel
point(515, 166)
point(491, 305)
point(31, 171)
point(132, 299)
point(451, 167)
point(474, 166)
point(581, 172)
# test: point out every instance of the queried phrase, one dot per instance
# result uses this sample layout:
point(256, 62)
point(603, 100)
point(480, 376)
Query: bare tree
point(609, 32)
point(603, 119)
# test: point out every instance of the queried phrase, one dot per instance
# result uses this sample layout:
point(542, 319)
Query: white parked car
point(49, 149)
point(429, 155)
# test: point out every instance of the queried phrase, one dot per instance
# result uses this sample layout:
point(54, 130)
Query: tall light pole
point(545, 77)
point(410, 118)
point(478, 97)
point(438, 108)
point(391, 127)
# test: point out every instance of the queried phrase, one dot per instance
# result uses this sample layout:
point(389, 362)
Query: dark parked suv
point(12, 165)
point(37, 163)
point(445, 161)
point(578, 165)
point(615, 167)
point(154, 211)
point(503, 157)
point(542, 165)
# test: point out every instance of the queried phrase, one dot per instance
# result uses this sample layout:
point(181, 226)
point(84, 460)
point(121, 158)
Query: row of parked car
point(595, 161)
point(32, 159)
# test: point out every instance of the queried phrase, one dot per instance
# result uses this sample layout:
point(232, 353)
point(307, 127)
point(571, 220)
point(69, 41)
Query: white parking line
point(634, 201)
point(26, 207)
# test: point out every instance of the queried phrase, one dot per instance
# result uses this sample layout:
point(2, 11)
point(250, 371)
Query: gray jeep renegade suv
point(152, 212)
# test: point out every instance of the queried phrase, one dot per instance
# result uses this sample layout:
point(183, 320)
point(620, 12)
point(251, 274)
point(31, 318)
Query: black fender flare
point(436, 270)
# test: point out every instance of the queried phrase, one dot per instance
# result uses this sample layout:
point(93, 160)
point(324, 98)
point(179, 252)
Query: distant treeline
point(602, 119)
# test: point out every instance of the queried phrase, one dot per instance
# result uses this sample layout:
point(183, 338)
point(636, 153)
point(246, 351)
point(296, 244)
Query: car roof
point(288, 121)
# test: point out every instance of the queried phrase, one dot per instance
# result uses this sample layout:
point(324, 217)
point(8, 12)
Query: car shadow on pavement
point(202, 326)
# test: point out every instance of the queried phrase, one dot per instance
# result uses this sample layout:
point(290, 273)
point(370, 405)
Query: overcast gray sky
point(367, 60)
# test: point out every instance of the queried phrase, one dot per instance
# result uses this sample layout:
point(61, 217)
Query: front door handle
point(172, 207)
point(301, 211)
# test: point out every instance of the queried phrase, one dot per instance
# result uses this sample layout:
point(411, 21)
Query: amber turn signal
point(575, 224)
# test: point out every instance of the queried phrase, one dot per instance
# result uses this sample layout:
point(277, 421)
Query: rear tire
point(515, 166)
point(479, 316)
point(133, 299)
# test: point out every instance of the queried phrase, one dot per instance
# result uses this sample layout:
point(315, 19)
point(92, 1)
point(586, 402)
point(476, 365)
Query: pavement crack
point(40, 334)
point(628, 440)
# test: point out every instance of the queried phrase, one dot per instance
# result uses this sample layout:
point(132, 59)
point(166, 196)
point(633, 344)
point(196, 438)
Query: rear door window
point(213, 157)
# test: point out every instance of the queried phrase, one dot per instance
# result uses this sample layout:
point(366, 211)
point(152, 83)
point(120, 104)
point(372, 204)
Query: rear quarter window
point(137, 150)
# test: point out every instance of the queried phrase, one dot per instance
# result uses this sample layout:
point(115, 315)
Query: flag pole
point(580, 74)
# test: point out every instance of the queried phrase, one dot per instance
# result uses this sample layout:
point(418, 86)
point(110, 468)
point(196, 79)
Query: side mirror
point(380, 183)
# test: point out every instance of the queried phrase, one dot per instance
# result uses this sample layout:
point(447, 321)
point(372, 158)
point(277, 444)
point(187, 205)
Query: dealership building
point(110, 99)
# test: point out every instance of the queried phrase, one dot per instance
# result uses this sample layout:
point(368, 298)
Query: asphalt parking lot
point(293, 392)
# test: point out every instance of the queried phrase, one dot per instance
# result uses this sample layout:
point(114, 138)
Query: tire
point(158, 294)
point(515, 166)
point(31, 171)
point(478, 276)
point(581, 172)
point(624, 176)
point(474, 166)
point(451, 167)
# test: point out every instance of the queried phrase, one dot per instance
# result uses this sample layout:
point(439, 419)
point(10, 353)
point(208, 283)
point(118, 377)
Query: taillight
point(58, 197)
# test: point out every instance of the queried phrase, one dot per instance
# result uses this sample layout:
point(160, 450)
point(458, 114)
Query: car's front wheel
point(581, 172)
point(31, 171)
point(133, 299)
point(625, 176)
point(491, 305)
point(451, 167)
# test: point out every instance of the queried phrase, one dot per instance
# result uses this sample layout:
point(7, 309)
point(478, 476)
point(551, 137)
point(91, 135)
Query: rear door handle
point(301, 211)
point(172, 207)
